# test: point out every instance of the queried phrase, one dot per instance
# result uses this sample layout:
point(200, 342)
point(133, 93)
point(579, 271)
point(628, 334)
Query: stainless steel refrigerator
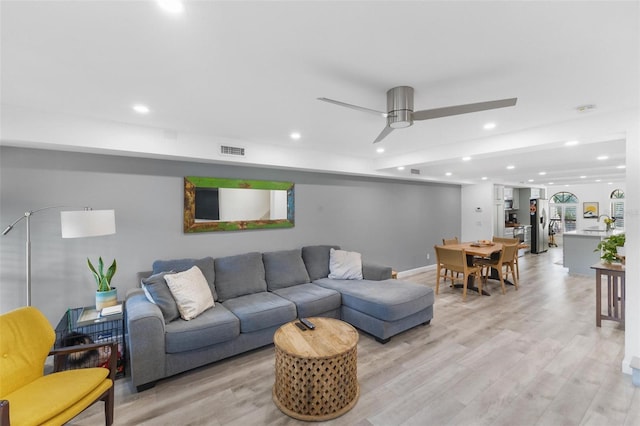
point(539, 213)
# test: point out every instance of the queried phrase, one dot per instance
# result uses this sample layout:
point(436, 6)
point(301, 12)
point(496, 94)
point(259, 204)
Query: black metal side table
point(86, 325)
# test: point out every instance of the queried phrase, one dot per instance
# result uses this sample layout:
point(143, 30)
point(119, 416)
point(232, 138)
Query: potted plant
point(106, 295)
point(608, 247)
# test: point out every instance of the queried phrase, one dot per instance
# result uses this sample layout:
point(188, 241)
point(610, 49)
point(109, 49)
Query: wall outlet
point(428, 256)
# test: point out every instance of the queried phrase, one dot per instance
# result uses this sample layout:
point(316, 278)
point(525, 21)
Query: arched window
point(564, 198)
point(617, 207)
point(563, 208)
point(617, 193)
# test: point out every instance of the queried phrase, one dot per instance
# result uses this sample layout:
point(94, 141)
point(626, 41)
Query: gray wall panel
point(390, 222)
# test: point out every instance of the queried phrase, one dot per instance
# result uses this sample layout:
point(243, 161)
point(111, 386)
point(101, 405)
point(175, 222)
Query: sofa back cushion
point(316, 259)
point(180, 265)
point(239, 275)
point(284, 269)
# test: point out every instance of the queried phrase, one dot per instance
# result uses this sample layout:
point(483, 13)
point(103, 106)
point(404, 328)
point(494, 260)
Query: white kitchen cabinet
point(508, 193)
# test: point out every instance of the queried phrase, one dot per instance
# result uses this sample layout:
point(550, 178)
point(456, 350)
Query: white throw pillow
point(345, 265)
point(191, 291)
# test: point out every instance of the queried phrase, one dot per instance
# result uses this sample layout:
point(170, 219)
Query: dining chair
point(455, 260)
point(446, 242)
point(510, 241)
point(503, 265)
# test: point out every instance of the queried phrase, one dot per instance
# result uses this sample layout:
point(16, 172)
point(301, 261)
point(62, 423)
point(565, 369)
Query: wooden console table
point(615, 274)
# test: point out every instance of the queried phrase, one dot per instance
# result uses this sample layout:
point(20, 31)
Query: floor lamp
point(74, 224)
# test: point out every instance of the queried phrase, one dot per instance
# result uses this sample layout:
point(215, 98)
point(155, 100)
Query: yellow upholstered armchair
point(27, 395)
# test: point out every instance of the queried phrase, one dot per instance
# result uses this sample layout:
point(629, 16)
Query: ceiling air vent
point(415, 171)
point(231, 150)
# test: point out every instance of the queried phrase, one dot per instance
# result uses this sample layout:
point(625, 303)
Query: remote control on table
point(300, 326)
point(307, 323)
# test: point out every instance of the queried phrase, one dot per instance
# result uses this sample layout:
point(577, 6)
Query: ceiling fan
point(400, 111)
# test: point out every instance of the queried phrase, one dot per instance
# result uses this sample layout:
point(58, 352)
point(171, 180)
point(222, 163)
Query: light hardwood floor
point(530, 357)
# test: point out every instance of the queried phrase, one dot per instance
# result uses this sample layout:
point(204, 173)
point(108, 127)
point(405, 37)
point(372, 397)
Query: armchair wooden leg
point(4, 413)
point(109, 402)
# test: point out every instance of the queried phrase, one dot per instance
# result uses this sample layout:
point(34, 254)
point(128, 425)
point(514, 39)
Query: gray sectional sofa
point(254, 295)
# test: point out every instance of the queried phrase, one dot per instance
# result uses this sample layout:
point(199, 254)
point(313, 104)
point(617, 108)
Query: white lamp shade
point(87, 223)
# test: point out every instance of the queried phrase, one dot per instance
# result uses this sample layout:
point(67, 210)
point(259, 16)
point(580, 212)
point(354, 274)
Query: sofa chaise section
point(382, 308)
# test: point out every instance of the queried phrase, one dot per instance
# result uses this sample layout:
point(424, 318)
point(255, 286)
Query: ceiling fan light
point(399, 124)
point(399, 119)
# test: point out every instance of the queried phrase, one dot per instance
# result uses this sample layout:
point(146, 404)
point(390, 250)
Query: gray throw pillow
point(239, 275)
point(180, 265)
point(284, 269)
point(156, 288)
point(316, 259)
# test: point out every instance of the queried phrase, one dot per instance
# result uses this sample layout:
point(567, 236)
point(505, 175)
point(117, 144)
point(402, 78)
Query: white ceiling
point(247, 74)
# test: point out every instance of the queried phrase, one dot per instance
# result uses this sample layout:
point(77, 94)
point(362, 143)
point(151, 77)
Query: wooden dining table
point(480, 250)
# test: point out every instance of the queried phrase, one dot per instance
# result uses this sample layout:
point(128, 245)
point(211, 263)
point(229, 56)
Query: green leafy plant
point(103, 279)
point(609, 247)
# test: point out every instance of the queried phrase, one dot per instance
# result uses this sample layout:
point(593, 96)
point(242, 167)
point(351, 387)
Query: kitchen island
point(578, 248)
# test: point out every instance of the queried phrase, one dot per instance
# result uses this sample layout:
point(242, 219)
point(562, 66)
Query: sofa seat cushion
point(388, 300)
point(210, 327)
point(284, 269)
point(58, 397)
point(239, 275)
point(261, 310)
point(311, 299)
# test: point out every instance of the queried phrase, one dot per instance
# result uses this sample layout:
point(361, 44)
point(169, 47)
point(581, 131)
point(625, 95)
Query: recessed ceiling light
point(598, 180)
point(511, 167)
point(542, 173)
point(467, 158)
point(551, 183)
point(401, 168)
point(141, 109)
point(621, 167)
point(572, 143)
point(295, 136)
point(602, 157)
point(380, 150)
point(609, 183)
point(484, 178)
point(583, 177)
point(448, 174)
point(530, 180)
point(171, 6)
point(489, 126)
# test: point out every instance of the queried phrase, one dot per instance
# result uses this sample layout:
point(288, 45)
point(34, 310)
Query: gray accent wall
point(390, 222)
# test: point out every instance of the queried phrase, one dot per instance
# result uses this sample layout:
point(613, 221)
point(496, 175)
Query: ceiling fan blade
point(385, 132)
point(359, 108)
point(463, 109)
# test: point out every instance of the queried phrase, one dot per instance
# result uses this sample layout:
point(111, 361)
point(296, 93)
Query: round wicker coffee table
point(316, 370)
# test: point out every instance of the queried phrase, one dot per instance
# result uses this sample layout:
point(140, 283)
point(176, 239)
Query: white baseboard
point(416, 271)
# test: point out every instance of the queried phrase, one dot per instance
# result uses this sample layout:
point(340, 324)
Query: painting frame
point(590, 210)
